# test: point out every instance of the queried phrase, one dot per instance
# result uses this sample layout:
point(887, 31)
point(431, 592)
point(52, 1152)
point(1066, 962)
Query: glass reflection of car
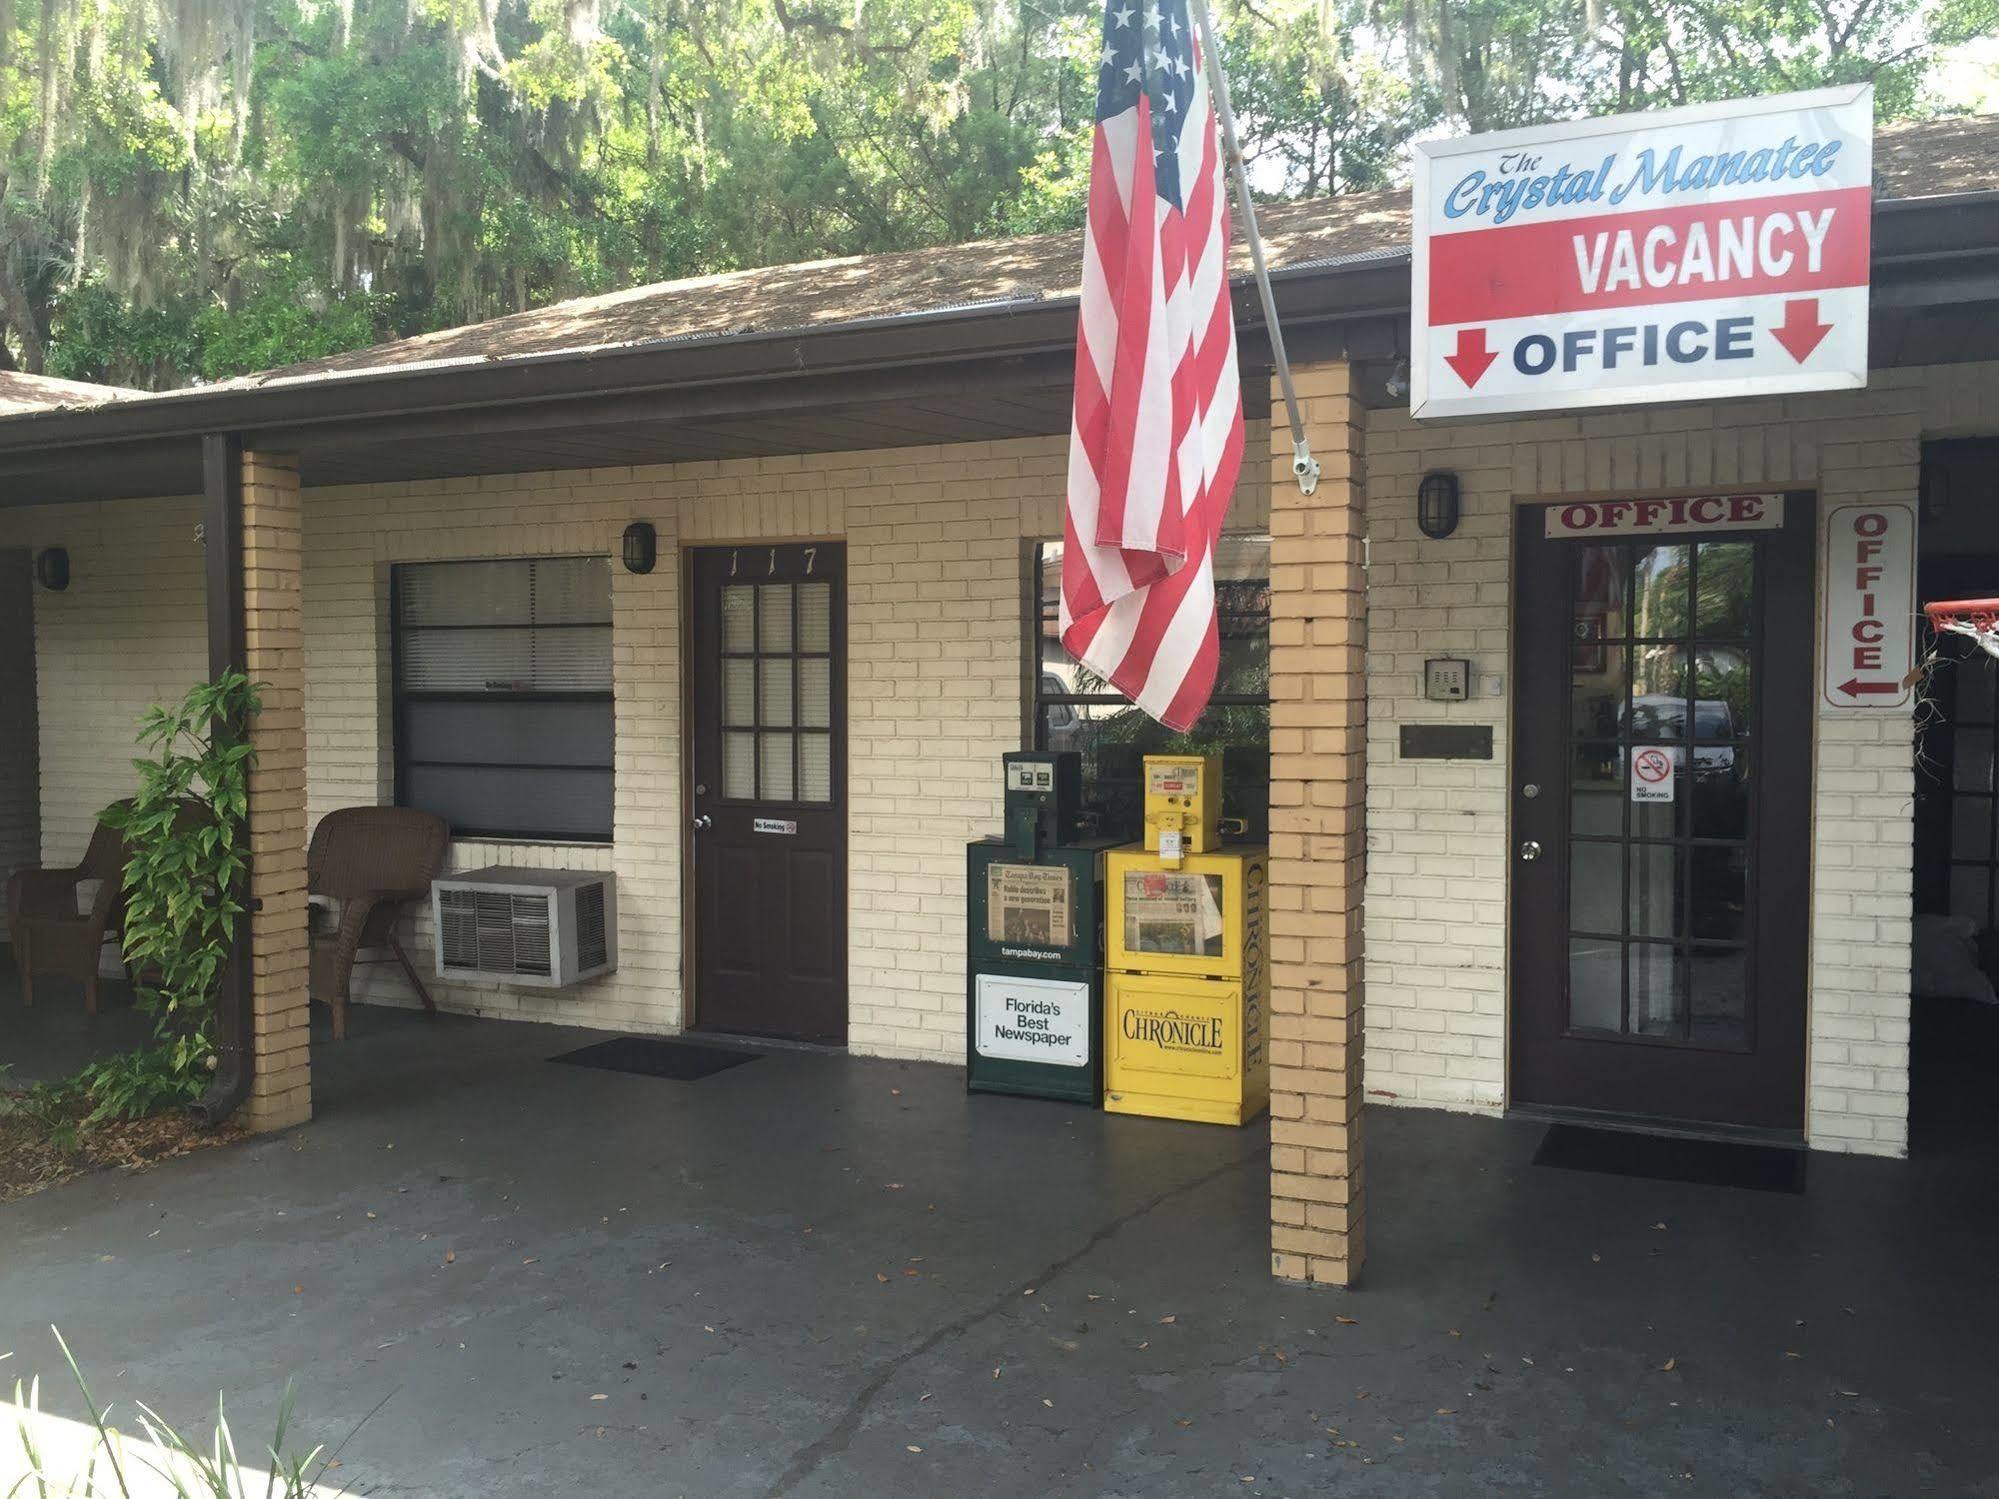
point(1065, 723)
point(1655, 717)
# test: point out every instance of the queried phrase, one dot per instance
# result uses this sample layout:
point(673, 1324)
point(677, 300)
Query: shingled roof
point(1911, 160)
point(21, 392)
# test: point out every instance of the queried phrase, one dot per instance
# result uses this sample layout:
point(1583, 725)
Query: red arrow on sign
point(1853, 687)
point(1473, 358)
point(1801, 330)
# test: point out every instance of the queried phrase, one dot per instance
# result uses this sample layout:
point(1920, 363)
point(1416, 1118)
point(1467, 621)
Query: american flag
point(1157, 435)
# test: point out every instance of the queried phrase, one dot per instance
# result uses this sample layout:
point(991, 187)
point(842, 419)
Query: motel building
point(1573, 703)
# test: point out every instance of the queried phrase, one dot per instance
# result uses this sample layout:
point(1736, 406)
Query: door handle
point(1530, 851)
point(703, 822)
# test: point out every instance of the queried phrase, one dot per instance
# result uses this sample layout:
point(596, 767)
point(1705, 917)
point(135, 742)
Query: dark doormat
point(1714, 1163)
point(654, 1056)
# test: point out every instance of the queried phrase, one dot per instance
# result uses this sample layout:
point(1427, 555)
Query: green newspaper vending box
point(1034, 989)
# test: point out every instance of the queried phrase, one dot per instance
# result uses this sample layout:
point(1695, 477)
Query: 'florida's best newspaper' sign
point(1711, 251)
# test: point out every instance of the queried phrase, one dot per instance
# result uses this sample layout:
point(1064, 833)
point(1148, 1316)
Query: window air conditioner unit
point(545, 927)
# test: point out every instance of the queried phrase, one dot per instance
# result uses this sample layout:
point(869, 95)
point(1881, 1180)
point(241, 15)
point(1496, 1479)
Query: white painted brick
point(1449, 597)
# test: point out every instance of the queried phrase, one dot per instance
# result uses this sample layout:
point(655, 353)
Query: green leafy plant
point(171, 1463)
point(183, 890)
point(134, 1084)
point(54, 1110)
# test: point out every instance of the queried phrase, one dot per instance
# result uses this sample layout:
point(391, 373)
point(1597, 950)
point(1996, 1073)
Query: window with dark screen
point(503, 700)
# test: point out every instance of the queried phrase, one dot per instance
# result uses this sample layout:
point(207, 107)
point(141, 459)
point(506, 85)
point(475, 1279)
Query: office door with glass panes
point(1660, 822)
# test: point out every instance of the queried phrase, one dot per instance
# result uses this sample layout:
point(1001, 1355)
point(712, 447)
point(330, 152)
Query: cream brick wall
point(353, 536)
point(1437, 846)
point(129, 631)
point(934, 557)
point(933, 565)
point(934, 644)
point(1435, 925)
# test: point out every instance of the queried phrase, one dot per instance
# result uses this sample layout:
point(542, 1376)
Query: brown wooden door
point(767, 639)
point(1659, 945)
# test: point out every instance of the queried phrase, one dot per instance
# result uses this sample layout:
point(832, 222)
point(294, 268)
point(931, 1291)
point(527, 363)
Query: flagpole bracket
point(1304, 467)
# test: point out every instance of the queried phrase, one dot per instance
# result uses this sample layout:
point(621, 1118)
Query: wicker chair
point(373, 861)
point(49, 933)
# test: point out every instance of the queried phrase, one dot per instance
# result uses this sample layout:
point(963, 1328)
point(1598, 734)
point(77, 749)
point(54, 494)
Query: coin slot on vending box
point(1183, 806)
point(1043, 792)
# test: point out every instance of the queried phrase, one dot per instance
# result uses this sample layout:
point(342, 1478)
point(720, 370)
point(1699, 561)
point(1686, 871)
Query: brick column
point(274, 652)
point(1318, 787)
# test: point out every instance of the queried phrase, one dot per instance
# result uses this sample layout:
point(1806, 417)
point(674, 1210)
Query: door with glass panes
point(767, 644)
point(1660, 822)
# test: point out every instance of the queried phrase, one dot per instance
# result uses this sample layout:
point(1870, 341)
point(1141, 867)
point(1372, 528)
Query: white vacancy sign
point(1716, 250)
point(1869, 589)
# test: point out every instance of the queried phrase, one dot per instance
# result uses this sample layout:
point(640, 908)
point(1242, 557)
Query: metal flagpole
point(1304, 467)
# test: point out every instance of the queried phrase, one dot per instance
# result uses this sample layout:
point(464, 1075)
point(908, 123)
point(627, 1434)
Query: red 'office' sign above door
point(1653, 517)
point(1716, 250)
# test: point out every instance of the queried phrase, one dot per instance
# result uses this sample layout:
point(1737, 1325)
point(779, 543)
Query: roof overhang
point(981, 372)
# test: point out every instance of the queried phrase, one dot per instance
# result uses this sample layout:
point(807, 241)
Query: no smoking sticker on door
point(1651, 775)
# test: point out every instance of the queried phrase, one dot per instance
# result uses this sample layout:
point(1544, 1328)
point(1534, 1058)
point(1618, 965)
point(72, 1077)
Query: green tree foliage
point(194, 188)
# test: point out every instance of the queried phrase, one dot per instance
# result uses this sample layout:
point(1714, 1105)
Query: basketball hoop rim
point(1957, 614)
point(1975, 619)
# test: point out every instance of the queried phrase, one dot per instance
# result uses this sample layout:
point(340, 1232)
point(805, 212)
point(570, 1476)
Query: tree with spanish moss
point(190, 189)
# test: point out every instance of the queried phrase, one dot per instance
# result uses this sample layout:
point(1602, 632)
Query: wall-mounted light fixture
point(1437, 504)
point(52, 568)
point(641, 547)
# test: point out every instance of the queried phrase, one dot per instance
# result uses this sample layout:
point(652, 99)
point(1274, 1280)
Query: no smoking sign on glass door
point(1651, 774)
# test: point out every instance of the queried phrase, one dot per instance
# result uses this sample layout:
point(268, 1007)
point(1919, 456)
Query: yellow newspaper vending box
point(1187, 985)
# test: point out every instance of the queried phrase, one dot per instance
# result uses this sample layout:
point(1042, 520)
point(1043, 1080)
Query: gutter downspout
point(222, 534)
